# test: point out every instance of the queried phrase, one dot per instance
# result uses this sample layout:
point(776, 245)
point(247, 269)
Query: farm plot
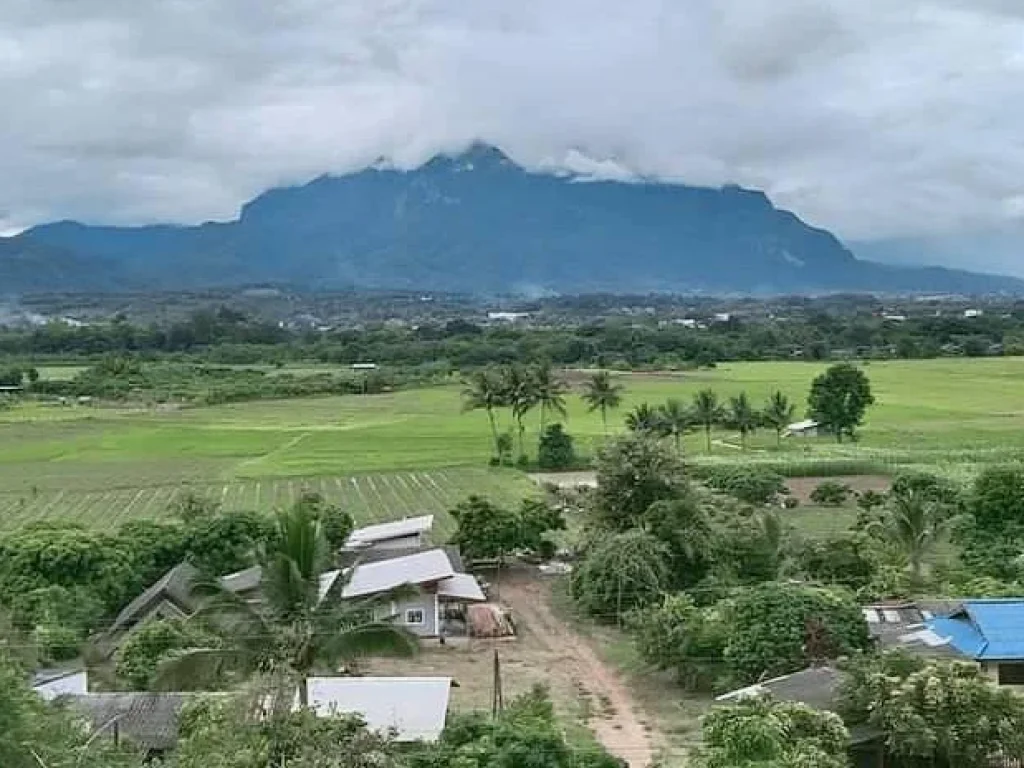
point(370, 498)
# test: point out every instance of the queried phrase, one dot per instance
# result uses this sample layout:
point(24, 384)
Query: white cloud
point(874, 118)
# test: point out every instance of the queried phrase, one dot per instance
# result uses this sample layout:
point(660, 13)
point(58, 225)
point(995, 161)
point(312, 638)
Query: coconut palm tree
point(676, 419)
point(549, 392)
point(915, 523)
point(742, 417)
point(644, 418)
point(601, 393)
point(294, 628)
point(707, 412)
point(483, 391)
point(778, 414)
point(519, 393)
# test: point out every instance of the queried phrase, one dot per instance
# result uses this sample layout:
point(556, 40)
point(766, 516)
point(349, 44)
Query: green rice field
point(370, 498)
point(951, 415)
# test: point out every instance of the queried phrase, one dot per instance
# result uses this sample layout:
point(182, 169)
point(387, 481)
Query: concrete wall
point(425, 603)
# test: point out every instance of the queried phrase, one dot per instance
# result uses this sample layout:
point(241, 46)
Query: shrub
point(754, 485)
point(556, 449)
point(831, 494)
point(868, 500)
point(678, 636)
point(623, 572)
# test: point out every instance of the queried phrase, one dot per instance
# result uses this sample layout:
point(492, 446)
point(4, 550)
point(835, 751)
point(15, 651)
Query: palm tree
point(915, 524)
point(483, 391)
point(644, 418)
point(707, 412)
point(549, 392)
point(601, 393)
point(520, 395)
point(778, 413)
point(294, 628)
point(742, 417)
point(676, 419)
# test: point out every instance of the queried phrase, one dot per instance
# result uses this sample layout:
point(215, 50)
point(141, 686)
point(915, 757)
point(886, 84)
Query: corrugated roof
point(815, 686)
point(148, 720)
point(244, 580)
point(462, 586)
point(175, 585)
point(396, 529)
point(416, 707)
point(984, 630)
point(421, 568)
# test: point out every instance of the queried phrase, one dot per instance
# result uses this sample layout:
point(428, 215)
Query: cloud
point(873, 118)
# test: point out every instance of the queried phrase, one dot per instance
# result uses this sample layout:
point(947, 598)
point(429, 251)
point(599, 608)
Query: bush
point(775, 629)
point(831, 494)
point(556, 449)
point(624, 572)
point(678, 636)
point(868, 500)
point(754, 485)
point(846, 560)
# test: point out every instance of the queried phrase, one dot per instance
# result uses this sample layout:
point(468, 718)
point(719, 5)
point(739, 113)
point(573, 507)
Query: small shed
point(806, 428)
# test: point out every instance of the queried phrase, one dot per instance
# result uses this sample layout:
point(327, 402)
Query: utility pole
point(497, 698)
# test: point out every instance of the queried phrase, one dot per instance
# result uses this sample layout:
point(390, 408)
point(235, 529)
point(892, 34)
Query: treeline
point(228, 336)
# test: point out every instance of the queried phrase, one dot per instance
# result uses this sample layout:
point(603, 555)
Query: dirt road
point(614, 716)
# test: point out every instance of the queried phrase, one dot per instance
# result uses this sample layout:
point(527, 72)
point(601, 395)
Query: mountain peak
point(475, 221)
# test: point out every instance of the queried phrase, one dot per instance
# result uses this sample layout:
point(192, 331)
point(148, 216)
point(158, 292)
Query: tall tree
point(520, 395)
point(838, 399)
point(294, 629)
point(483, 391)
point(602, 393)
point(644, 419)
point(742, 417)
point(778, 414)
point(707, 412)
point(549, 391)
point(676, 419)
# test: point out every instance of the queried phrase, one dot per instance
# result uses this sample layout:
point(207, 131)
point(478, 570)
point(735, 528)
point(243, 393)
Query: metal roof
point(415, 707)
point(815, 686)
point(175, 585)
point(420, 568)
point(461, 586)
point(985, 630)
point(148, 720)
point(397, 529)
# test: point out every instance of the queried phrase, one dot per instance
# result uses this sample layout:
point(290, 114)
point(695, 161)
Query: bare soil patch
point(547, 651)
point(802, 487)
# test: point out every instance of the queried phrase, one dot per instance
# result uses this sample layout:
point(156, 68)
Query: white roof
point(385, 575)
point(802, 425)
point(416, 707)
point(50, 687)
point(463, 586)
point(327, 580)
point(397, 529)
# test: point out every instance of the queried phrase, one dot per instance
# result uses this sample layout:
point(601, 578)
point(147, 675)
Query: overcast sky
point(874, 118)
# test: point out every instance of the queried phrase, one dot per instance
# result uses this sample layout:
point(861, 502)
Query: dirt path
point(614, 716)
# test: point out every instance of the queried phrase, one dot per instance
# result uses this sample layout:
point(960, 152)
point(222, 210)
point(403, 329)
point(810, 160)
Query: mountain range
point(474, 222)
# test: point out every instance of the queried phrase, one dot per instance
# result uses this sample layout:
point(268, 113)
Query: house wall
point(425, 602)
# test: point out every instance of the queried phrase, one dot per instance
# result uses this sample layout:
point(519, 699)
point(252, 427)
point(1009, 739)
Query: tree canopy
point(839, 398)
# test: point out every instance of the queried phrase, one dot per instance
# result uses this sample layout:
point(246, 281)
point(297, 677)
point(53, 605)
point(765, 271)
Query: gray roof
point(396, 529)
point(415, 707)
point(385, 575)
point(373, 555)
point(243, 581)
point(148, 720)
point(175, 586)
point(815, 686)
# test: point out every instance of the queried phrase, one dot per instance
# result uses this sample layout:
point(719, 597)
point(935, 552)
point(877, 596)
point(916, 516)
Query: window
point(414, 616)
point(1011, 674)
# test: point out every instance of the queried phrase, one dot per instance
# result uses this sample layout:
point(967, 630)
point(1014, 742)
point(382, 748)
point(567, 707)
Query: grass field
point(950, 414)
point(370, 498)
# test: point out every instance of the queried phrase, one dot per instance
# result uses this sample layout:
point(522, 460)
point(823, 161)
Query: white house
point(408, 533)
point(440, 590)
point(415, 708)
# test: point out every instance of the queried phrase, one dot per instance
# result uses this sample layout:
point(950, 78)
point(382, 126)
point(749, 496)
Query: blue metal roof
point(985, 630)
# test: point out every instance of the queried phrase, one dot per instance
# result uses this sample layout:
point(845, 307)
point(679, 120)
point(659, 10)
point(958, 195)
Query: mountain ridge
point(477, 222)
